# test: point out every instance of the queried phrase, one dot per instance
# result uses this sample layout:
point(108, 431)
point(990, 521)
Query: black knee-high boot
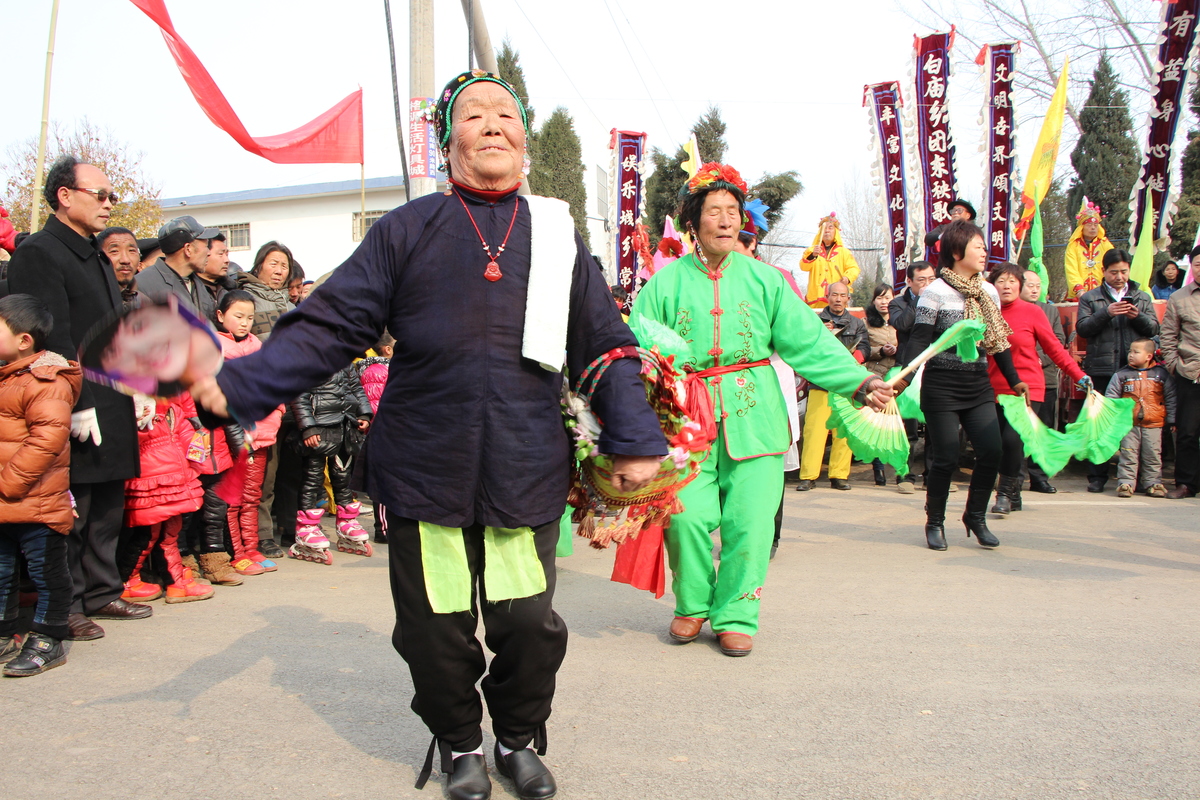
point(935, 518)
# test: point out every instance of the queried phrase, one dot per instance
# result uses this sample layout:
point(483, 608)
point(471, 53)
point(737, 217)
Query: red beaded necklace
point(492, 273)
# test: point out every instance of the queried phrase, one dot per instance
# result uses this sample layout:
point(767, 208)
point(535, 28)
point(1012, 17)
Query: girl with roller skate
point(332, 421)
point(235, 316)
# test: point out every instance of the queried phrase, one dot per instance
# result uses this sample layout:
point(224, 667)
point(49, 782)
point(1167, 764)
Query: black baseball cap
point(180, 231)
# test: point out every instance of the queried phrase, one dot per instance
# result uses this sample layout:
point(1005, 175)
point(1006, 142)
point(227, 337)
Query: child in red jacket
point(163, 495)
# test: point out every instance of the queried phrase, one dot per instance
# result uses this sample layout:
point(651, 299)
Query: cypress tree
point(1187, 220)
point(662, 190)
point(1105, 158)
point(710, 136)
point(558, 169)
point(508, 62)
point(775, 191)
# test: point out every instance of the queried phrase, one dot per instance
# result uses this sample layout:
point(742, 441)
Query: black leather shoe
point(470, 780)
point(271, 549)
point(529, 775)
point(1042, 487)
point(841, 484)
point(83, 629)
point(1096, 487)
point(122, 609)
point(804, 486)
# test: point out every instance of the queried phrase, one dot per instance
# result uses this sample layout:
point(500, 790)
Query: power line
point(641, 77)
point(565, 72)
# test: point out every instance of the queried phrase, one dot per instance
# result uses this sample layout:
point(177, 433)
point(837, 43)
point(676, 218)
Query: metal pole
point(482, 42)
point(387, 13)
point(486, 55)
point(420, 73)
point(41, 151)
point(470, 34)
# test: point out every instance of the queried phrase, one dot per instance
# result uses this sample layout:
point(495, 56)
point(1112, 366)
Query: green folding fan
point(1048, 447)
point(871, 434)
point(1100, 427)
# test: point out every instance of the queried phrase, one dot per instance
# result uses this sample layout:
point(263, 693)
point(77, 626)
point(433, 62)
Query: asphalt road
point(1061, 665)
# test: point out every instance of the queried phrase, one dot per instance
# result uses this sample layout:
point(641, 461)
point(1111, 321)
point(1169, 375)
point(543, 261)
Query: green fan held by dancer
point(733, 311)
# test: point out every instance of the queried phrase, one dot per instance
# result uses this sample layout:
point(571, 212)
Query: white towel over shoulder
point(551, 267)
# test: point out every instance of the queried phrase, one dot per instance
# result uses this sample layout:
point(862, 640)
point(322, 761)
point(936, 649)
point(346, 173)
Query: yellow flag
point(692, 164)
point(1143, 257)
point(1045, 154)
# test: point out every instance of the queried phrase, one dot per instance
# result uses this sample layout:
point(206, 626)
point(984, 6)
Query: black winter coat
point(77, 283)
point(902, 315)
point(1108, 337)
point(339, 400)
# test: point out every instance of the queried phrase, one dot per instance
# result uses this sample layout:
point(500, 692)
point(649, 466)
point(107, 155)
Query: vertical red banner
point(1160, 161)
point(999, 63)
point(628, 204)
point(422, 153)
point(884, 102)
point(934, 146)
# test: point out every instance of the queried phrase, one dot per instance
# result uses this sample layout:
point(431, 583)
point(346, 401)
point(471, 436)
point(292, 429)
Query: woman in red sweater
point(1030, 328)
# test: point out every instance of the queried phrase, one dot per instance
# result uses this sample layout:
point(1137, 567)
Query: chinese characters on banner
point(422, 146)
point(1177, 37)
point(628, 204)
point(998, 62)
point(884, 102)
point(934, 147)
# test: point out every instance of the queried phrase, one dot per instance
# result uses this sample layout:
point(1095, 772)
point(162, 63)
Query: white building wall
point(317, 228)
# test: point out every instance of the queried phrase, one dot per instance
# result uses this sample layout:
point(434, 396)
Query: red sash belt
point(698, 404)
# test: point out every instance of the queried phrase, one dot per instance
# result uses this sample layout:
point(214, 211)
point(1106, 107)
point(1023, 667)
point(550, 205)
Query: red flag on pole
point(335, 137)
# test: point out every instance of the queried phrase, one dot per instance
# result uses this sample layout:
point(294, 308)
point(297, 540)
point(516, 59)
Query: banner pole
point(35, 202)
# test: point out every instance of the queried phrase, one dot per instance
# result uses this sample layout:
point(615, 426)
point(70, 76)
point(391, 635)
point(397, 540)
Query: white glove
point(143, 411)
point(84, 426)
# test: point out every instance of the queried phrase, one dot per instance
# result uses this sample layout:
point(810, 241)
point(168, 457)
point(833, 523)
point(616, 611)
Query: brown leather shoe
point(122, 609)
point(686, 629)
point(735, 644)
point(1181, 491)
point(82, 629)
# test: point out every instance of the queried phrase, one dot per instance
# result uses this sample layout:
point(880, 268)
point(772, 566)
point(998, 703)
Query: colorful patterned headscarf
point(442, 121)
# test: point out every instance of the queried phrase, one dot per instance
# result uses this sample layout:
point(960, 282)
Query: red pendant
point(492, 273)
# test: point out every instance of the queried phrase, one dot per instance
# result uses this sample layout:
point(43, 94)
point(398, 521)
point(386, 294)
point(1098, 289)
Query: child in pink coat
point(235, 317)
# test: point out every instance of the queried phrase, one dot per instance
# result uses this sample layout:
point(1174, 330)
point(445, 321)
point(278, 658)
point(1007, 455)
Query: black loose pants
point(445, 659)
point(92, 544)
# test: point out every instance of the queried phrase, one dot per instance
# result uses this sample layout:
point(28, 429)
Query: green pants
point(740, 498)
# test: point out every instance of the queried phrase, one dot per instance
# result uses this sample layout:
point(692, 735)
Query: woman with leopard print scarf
point(956, 392)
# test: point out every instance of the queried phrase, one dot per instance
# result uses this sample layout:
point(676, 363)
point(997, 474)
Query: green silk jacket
point(741, 315)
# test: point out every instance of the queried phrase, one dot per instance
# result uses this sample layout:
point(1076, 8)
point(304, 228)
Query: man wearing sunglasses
point(61, 266)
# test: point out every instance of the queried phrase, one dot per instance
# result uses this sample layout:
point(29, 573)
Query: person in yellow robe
point(1085, 251)
point(827, 262)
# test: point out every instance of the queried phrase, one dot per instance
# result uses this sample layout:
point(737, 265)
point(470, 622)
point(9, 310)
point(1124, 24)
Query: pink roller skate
point(311, 544)
point(351, 536)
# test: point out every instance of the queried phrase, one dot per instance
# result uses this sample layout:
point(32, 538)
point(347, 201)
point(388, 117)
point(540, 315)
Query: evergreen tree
point(662, 190)
point(508, 62)
point(558, 170)
point(776, 190)
point(710, 136)
point(1187, 219)
point(1106, 158)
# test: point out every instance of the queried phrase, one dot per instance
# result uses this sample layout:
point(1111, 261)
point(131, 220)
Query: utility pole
point(420, 74)
point(485, 54)
point(35, 207)
point(480, 40)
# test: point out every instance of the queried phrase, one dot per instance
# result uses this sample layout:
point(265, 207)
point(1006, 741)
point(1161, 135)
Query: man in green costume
point(733, 311)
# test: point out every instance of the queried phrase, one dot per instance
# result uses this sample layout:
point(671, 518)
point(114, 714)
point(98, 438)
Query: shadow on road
point(346, 673)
